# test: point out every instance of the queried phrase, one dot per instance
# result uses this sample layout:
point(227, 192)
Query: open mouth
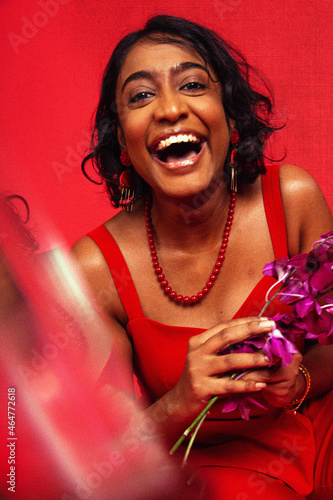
point(178, 148)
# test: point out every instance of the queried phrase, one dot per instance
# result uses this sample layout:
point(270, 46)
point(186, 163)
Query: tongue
point(171, 158)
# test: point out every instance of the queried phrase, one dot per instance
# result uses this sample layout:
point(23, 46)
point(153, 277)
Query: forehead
point(157, 57)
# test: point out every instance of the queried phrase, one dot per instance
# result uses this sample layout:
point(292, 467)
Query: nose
point(170, 107)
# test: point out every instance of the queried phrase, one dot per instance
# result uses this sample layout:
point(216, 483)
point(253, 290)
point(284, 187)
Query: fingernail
point(266, 324)
point(266, 359)
point(260, 385)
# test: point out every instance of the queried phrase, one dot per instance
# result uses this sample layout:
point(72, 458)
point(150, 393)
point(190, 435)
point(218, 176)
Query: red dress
point(260, 458)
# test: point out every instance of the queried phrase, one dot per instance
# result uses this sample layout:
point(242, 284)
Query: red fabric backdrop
point(53, 54)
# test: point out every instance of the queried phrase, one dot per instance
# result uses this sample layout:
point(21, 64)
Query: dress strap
point(274, 211)
point(119, 271)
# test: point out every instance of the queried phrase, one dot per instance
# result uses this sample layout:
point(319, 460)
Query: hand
point(203, 378)
point(284, 383)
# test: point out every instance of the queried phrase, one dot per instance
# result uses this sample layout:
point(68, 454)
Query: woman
point(172, 98)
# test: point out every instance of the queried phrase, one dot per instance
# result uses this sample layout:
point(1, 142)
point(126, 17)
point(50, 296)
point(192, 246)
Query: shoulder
point(93, 268)
point(88, 253)
point(306, 211)
point(295, 180)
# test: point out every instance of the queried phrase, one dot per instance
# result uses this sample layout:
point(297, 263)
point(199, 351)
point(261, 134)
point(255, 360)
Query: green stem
point(270, 300)
point(283, 285)
point(193, 424)
point(194, 435)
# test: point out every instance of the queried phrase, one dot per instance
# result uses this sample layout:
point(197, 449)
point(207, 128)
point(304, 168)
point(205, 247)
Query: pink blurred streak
point(76, 439)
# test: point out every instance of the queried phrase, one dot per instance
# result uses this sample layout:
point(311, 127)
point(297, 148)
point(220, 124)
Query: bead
point(218, 264)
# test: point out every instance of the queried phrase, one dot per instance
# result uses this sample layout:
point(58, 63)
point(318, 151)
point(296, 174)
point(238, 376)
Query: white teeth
point(173, 139)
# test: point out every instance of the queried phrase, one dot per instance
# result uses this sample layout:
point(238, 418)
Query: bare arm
point(103, 295)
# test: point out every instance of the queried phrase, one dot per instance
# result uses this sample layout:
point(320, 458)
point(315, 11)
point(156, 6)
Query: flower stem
point(201, 415)
point(283, 285)
point(321, 294)
point(194, 435)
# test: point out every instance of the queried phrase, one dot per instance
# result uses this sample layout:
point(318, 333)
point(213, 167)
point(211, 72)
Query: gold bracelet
point(292, 407)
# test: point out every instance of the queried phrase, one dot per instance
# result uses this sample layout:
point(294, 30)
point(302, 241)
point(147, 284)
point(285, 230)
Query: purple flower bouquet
point(305, 282)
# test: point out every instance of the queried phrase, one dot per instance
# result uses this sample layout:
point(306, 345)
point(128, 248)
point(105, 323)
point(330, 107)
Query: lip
point(176, 165)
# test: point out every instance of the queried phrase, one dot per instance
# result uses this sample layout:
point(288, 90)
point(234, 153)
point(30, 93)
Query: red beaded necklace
point(218, 264)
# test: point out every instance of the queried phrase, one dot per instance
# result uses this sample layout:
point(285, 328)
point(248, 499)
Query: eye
point(194, 86)
point(140, 96)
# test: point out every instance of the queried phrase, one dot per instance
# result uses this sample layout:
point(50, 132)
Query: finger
point(237, 332)
point(278, 373)
point(217, 329)
point(226, 386)
point(233, 363)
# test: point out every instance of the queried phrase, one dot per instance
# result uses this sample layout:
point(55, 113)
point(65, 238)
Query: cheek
point(212, 113)
point(219, 119)
point(134, 132)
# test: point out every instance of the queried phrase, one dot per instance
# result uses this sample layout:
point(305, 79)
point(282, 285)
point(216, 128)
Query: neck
point(196, 217)
point(218, 264)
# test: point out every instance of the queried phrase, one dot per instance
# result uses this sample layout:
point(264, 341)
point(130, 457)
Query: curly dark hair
point(250, 108)
point(15, 208)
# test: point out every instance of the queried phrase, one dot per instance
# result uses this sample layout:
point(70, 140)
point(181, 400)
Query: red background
point(53, 55)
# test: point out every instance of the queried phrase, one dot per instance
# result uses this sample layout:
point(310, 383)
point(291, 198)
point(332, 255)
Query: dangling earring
point(126, 190)
point(234, 141)
point(126, 184)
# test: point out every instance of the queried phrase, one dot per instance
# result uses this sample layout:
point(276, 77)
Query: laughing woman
point(179, 141)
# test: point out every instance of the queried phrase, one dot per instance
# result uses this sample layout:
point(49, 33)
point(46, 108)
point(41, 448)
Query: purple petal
point(322, 278)
point(277, 268)
point(277, 345)
point(231, 404)
point(244, 409)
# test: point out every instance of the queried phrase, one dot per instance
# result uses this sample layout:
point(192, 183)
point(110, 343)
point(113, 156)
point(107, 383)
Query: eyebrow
point(150, 75)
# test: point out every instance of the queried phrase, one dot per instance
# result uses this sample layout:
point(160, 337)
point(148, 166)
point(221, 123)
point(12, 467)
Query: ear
point(121, 138)
point(231, 124)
